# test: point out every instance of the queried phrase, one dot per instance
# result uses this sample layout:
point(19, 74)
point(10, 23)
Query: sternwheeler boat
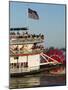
point(26, 53)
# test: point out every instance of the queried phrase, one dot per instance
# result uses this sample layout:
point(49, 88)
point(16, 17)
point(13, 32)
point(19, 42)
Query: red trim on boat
point(25, 54)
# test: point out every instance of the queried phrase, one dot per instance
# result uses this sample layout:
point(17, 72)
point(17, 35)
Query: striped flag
point(32, 14)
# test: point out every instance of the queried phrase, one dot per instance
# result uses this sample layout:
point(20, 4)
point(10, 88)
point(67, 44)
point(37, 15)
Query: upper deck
point(24, 37)
point(25, 40)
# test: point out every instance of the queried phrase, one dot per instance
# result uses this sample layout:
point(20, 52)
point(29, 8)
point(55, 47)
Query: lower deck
point(27, 71)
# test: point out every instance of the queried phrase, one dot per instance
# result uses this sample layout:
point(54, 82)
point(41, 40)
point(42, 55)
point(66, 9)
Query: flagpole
point(27, 21)
point(30, 14)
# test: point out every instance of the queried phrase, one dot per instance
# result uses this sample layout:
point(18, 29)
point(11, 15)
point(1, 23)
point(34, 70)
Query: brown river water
point(42, 79)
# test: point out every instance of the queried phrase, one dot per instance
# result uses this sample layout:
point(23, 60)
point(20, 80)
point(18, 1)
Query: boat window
point(21, 64)
point(11, 65)
point(16, 57)
point(17, 65)
point(25, 64)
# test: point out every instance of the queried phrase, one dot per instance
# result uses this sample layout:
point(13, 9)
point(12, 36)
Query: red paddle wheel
point(53, 55)
point(56, 54)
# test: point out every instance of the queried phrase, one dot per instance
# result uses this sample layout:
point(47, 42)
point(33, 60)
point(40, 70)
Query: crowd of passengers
point(33, 47)
point(27, 35)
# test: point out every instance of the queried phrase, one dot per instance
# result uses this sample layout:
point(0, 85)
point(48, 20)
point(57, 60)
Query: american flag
point(32, 14)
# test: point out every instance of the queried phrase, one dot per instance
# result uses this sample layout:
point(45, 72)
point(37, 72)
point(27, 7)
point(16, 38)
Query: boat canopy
point(18, 29)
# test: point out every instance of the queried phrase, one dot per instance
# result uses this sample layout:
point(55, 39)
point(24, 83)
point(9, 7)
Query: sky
point(51, 21)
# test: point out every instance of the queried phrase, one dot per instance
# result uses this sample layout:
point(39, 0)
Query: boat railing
point(25, 40)
point(18, 70)
point(27, 51)
point(23, 69)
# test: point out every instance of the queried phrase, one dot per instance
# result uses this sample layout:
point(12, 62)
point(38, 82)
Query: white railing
point(25, 52)
point(18, 70)
point(22, 41)
point(48, 57)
